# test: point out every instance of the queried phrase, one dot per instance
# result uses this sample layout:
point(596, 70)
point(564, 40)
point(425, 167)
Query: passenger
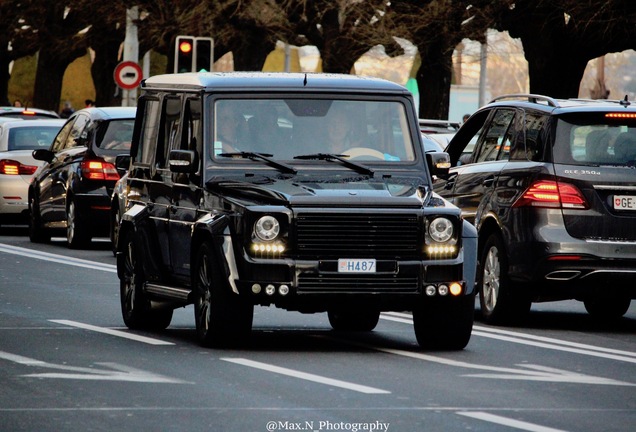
point(230, 130)
point(596, 145)
point(625, 147)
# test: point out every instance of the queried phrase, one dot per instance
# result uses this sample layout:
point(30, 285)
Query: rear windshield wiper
point(340, 158)
point(264, 157)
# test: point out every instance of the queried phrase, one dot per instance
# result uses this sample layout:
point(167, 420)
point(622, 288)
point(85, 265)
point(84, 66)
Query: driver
point(340, 134)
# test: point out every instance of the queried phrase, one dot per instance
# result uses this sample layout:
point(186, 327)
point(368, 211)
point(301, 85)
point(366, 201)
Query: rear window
point(115, 135)
point(595, 139)
point(27, 138)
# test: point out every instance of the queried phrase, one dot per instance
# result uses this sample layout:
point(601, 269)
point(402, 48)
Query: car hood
point(408, 192)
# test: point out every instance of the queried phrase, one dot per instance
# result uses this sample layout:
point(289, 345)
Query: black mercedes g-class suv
point(310, 192)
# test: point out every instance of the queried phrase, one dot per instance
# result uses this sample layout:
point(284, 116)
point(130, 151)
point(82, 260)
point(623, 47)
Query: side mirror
point(43, 155)
point(438, 162)
point(122, 163)
point(183, 161)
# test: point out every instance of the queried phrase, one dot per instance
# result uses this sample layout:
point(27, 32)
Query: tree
point(17, 40)
point(60, 41)
point(560, 36)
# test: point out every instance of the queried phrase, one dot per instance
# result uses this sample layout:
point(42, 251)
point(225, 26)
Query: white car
point(18, 139)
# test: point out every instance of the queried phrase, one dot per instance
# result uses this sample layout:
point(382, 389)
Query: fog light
point(283, 290)
point(256, 288)
point(430, 290)
point(442, 290)
point(455, 288)
point(270, 289)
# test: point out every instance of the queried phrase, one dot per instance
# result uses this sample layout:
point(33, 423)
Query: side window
point(150, 128)
point(497, 140)
point(168, 130)
point(191, 136)
point(534, 142)
point(76, 131)
point(61, 137)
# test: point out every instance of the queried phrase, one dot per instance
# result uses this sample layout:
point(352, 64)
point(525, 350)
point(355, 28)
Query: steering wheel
point(363, 153)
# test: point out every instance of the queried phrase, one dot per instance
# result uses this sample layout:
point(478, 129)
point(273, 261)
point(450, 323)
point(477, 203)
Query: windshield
point(360, 130)
point(596, 139)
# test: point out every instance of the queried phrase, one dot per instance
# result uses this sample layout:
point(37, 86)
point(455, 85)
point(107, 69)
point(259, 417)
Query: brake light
point(28, 113)
point(621, 115)
point(552, 194)
point(99, 170)
point(12, 167)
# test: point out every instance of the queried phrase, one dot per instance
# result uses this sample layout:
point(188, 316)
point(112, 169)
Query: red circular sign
point(127, 75)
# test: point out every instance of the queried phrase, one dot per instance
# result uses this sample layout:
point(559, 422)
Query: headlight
point(267, 228)
point(441, 229)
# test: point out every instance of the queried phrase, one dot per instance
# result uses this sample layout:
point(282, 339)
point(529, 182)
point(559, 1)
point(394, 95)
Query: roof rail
point(534, 98)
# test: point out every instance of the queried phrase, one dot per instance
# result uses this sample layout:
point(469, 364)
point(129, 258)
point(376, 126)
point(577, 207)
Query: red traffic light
point(185, 46)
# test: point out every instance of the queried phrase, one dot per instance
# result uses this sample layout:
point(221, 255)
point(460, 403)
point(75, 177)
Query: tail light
point(552, 194)
point(95, 169)
point(12, 167)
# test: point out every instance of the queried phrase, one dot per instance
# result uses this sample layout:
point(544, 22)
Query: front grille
point(350, 235)
point(357, 283)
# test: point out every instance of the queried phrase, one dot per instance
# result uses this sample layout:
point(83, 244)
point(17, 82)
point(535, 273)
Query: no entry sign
point(127, 75)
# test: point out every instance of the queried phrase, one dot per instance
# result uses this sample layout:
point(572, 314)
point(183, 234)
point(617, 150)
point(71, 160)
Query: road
point(67, 363)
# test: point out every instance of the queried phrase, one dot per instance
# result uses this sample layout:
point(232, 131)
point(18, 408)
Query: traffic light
point(203, 54)
point(184, 54)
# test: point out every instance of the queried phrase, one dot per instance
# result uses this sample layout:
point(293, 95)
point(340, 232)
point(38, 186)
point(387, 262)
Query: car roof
point(277, 81)
point(108, 113)
point(563, 106)
point(19, 123)
point(26, 112)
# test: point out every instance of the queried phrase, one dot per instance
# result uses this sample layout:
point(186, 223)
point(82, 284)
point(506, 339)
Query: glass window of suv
point(593, 139)
point(534, 139)
point(150, 125)
point(60, 139)
point(168, 130)
point(497, 137)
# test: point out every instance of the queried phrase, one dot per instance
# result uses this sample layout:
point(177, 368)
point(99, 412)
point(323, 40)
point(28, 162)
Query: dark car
point(71, 191)
point(550, 186)
point(332, 210)
point(26, 113)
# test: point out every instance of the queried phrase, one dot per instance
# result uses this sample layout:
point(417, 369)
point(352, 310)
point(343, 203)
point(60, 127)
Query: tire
point(135, 307)
point(607, 308)
point(500, 301)
point(222, 318)
point(37, 234)
point(358, 320)
point(445, 325)
point(77, 230)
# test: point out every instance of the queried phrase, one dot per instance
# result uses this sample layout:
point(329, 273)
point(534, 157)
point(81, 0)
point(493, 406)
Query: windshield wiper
point(264, 157)
point(340, 158)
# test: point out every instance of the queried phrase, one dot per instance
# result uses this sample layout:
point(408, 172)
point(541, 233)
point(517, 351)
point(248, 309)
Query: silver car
point(18, 139)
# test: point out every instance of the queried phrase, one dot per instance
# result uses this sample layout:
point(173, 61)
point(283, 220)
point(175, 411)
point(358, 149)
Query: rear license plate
point(624, 202)
point(356, 265)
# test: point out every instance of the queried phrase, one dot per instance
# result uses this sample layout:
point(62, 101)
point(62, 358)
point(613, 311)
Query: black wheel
point(135, 307)
point(37, 234)
point(607, 308)
point(356, 320)
point(77, 230)
point(499, 300)
point(221, 316)
point(445, 325)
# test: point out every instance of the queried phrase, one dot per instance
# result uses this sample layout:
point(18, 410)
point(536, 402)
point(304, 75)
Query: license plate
point(624, 202)
point(356, 265)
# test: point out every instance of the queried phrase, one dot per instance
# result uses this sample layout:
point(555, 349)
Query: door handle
point(488, 182)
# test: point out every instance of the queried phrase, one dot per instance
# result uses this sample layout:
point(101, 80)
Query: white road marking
point(306, 376)
point(116, 372)
point(118, 333)
point(60, 259)
point(508, 422)
point(536, 341)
